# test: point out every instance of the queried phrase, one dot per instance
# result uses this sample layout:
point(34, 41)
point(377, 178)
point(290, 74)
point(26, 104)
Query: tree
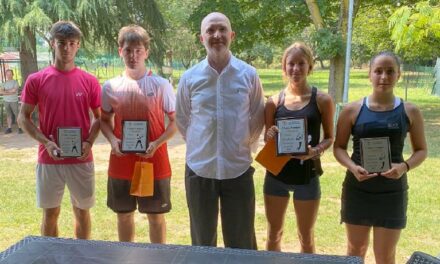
point(370, 32)
point(416, 30)
point(185, 47)
point(256, 24)
point(99, 20)
point(233, 10)
point(260, 51)
point(271, 21)
point(184, 43)
point(338, 34)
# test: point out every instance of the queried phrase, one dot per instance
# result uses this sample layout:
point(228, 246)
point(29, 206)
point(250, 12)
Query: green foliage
point(259, 51)
point(327, 43)
point(370, 32)
point(185, 47)
point(19, 217)
point(18, 15)
point(245, 29)
point(359, 54)
point(184, 43)
point(272, 23)
point(330, 12)
point(416, 29)
point(99, 20)
point(276, 20)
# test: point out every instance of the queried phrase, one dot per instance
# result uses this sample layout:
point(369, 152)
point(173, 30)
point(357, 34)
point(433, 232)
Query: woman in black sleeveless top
point(299, 175)
point(378, 201)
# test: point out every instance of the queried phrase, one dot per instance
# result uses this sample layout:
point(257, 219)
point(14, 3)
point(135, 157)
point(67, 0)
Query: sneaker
point(20, 131)
point(8, 130)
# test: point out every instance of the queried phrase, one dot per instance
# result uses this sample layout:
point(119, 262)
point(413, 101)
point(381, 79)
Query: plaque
point(375, 154)
point(292, 139)
point(134, 136)
point(69, 141)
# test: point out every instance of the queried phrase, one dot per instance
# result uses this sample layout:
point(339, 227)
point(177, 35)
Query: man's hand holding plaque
point(375, 154)
point(69, 141)
point(292, 136)
point(134, 136)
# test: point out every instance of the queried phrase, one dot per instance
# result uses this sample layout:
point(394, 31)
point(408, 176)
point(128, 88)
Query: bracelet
point(407, 166)
point(88, 141)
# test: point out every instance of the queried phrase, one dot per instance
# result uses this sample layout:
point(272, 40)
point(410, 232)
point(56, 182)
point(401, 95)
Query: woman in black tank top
point(297, 100)
point(378, 200)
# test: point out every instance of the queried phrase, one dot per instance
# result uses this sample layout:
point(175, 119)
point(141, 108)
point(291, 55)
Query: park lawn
point(19, 216)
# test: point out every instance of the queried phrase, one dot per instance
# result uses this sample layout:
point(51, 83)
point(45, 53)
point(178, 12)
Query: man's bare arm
point(24, 119)
point(93, 134)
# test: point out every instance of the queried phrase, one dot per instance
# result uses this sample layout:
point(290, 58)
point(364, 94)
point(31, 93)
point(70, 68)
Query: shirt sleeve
point(256, 120)
point(169, 99)
point(95, 98)
point(105, 98)
point(30, 91)
point(16, 86)
point(183, 107)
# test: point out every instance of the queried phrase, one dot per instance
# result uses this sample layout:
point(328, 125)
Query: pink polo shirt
point(63, 100)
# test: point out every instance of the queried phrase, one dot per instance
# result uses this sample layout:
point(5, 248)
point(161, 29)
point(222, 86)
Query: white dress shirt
point(220, 116)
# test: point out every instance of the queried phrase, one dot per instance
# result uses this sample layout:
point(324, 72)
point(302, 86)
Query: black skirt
point(379, 209)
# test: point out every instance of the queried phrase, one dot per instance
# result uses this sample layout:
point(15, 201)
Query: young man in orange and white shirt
point(135, 95)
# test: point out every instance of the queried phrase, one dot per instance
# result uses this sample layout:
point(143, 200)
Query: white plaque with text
point(291, 139)
point(134, 136)
point(375, 154)
point(69, 141)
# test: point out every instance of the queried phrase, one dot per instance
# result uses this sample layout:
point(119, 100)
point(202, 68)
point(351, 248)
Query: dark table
point(71, 251)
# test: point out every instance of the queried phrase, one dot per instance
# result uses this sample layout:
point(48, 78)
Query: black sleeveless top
point(379, 201)
point(297, 171)
point(393, 124)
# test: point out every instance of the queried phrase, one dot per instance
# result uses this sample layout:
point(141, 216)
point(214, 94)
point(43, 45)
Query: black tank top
point(393, 124)
point(297, 171)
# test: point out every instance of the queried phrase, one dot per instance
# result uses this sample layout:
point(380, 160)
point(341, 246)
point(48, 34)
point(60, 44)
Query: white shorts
point(79, 178)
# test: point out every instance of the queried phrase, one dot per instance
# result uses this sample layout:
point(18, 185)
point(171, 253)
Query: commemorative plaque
point(134, 136)
point(291, 139)
point(69, 141)
point(375, 154)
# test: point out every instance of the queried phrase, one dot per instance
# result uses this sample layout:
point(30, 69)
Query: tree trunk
point(321, 63)
point(337, 64)
point(315, 14)
point(336, 78)
point(185, 63)
point(28, 54)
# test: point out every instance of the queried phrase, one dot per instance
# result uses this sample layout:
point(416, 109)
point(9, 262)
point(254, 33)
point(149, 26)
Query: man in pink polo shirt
point(64, 95)
point(138, 96)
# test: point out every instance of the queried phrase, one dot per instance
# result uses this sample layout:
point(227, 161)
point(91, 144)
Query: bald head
point(214, 17)
point(216, 35)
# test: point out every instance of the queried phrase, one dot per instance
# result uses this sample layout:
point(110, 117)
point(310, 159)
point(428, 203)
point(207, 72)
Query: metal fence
point(417, 76)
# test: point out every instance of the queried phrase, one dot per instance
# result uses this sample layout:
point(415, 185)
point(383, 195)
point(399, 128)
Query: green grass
point(19, 216)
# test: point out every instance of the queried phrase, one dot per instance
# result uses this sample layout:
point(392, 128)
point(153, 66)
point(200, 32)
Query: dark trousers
point(237, 209)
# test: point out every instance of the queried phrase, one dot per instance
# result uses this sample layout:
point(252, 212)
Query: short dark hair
point(133, 34)
point(65, 30)
point(388, 54)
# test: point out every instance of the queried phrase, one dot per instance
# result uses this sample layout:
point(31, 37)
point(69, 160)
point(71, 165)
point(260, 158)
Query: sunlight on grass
point(19, 216)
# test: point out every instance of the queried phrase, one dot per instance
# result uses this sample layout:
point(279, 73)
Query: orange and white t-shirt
point(149, 99)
